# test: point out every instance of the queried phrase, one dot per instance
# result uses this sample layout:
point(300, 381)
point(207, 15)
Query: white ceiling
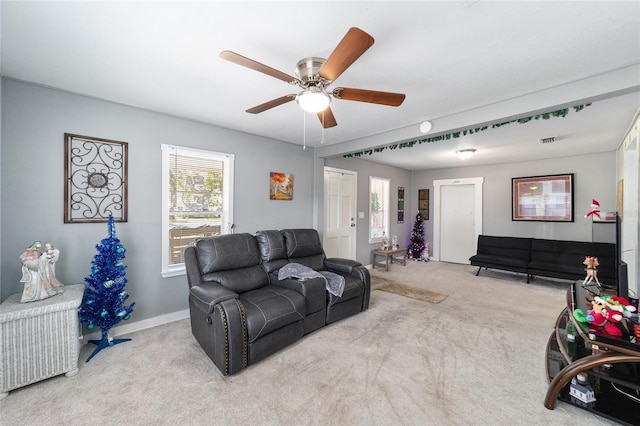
point(461, 64)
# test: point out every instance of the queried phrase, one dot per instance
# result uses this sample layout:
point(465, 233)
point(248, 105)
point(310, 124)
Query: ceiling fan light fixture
point(465, 154)
point(313, 100)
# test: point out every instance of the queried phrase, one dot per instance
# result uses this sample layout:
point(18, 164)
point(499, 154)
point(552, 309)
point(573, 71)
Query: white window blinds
point(197, 199)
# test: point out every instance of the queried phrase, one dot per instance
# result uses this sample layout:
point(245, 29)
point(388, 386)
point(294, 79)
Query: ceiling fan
point(315, 74)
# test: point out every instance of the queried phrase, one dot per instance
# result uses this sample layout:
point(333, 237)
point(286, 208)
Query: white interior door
point(340, 213)
point(457, 219)
point(457, 226)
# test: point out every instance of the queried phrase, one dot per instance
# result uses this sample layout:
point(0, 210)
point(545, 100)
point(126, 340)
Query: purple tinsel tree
point(103, 301)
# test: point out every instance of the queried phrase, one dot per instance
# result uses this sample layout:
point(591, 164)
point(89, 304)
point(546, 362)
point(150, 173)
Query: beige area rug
point(406, 290)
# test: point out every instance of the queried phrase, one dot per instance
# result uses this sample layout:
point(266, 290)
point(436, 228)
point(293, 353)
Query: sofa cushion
point(484, 259)
point(565, 258)
point(240, 280)
point(225, 252)
point(271, 308)
point(302, 243)
point(272, 249)
point(505, 247)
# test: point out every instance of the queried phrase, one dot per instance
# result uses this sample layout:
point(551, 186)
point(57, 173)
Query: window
point(197, 200)
point(378, 209)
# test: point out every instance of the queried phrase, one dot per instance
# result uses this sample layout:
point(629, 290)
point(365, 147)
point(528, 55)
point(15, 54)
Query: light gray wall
point(34, 120)
point(398, 177)
point(594, 177)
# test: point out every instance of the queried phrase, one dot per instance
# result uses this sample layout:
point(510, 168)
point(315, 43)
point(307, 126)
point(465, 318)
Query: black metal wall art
point(95, 179)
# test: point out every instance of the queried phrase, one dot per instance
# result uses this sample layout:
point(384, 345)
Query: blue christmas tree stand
point(104, 343)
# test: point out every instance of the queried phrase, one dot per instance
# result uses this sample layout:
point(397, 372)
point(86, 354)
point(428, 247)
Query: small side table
point(390, 256)
point(39, 339)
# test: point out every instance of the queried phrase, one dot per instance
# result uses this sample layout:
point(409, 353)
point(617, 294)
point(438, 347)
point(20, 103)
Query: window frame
point(226, 219)
point(386, 206)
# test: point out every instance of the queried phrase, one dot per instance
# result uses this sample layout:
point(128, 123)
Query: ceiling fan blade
point(326, 118)
point(257, 66)
point(271, 104)
point(370, 96)
point(350, 48)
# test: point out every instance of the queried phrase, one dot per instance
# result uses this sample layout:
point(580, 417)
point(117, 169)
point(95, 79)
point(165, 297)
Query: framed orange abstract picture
point(281, 186)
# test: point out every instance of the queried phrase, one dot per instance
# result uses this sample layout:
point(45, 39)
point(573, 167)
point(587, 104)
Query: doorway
point(339, 237)
point(457, 218)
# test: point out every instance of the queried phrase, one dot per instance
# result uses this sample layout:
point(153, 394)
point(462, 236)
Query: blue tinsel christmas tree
point(103, 301)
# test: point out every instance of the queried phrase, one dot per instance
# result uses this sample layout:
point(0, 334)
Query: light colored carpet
point(405, 290)
point(477, 358)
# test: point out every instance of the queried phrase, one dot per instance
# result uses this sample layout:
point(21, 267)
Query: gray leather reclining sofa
point(241, 312)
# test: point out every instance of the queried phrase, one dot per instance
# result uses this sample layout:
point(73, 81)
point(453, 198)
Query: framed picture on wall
point(542, 198)
point(280, 186)
point(95, 179)
point(400, 204)
point(423, 203)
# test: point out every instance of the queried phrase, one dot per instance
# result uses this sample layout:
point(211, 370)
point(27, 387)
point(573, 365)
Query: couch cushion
point(225, 252)
point(302, 243)
point(272, 249)
point(483, 259)
point(565, 258)
point(271, 244)
point(505, 247)
point(271, 308)
point(240, 280)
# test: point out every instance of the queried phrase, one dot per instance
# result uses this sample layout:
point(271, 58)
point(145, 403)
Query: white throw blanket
point(334, 282)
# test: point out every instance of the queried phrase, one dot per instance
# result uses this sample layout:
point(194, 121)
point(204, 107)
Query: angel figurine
point(38, 272)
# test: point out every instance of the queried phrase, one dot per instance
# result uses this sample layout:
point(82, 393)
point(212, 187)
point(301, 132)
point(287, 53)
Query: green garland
point(447, 136)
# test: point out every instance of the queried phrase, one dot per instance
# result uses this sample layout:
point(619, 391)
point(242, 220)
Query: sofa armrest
point(337, 264)
point(208, 294)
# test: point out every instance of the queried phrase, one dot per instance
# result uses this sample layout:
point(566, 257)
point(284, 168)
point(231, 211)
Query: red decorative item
point(613, 330)
point(595, 209)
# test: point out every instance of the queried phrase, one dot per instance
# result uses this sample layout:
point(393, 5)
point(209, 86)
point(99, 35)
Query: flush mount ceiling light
point(465, 154)
point(313, 99)
point(426, 126)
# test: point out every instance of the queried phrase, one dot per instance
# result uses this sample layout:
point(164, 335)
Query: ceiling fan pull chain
point(322, 137)
point(304, 131)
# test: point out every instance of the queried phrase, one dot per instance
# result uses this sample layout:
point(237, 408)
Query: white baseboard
point(140, 325)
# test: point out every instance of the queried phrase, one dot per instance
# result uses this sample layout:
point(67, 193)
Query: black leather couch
point(547, 258)
point(241, 312)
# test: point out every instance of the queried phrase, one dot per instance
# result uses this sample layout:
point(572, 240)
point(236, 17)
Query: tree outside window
point(197, 200)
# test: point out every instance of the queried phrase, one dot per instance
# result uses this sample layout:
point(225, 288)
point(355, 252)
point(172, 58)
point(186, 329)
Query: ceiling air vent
point(548, 140)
